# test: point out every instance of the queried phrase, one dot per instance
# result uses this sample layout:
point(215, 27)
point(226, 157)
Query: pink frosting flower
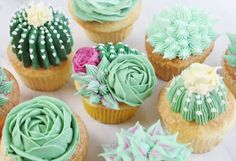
point(83, 56)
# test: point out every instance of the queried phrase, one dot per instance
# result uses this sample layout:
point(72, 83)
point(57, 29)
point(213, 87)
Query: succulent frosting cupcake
point(178, 37)
point(105, 21)
point(114, 80)
point(9, 95)
point(198, 106)
point(43, 128)
point(230, 65)
point(152, 144)
point(41, 42)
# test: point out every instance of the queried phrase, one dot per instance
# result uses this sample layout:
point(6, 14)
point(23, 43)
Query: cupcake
point(229, 68)
point(198, 106)
point(105, 21)
point(9, 95)
point(41, 42)
point(178, 37)
point(43, 128)
point(140, 144)
point(113, 80)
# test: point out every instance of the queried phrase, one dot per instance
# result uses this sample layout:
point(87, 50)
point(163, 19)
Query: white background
point(223, 10)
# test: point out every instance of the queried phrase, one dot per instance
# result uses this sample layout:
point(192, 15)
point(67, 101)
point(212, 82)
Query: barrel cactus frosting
point(181, 32)
point(198, 94)
point(230, 57)
point(103, 10)
point(40, 36)
point(5, 87)
point(140, 144)
point(41, 129)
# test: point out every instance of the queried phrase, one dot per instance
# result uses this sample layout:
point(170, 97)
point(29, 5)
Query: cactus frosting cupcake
point(198, 106)
point(152, 144)
point(43, 128)
point(9, 95)
point(230, 65)
point(178, 37)
point(113, 81)
point(105, 21)
point(41, 42)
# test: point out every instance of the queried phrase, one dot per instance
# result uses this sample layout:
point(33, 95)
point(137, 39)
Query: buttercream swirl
point(131, 79)
point(5, 87)
point(103, 10)
point(41, 129)
point(152, 144)
point(206, 98)
point(40, 39)
point(230, 57)
point(181, 32)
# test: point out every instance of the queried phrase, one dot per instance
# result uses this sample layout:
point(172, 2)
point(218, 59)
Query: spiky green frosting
point(230, 57)
point(40, 46)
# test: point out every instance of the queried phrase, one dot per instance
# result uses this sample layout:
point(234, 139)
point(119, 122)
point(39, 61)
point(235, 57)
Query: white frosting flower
point(39, 14)
point(200, 78)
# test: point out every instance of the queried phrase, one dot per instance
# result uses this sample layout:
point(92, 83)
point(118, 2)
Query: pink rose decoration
point(83, 56)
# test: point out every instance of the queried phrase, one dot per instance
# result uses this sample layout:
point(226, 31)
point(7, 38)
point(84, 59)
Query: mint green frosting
point(112, 51)
point(131, 79)
point(5, 87)
point(181, 32)
point(41, 129)
point(152, 144)
point(93, 84)
point(42, 46)
point(230, 57)
point(193, 106)
point(103, 10)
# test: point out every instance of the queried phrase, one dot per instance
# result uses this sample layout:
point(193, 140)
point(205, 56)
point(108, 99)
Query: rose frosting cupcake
point(152, 144)
point(178, 37)
point(105, 21)
point(9, 95)
point(44, 128)
point(113, 82)
point(198, 106)
point(40, 44)
point(229, 68)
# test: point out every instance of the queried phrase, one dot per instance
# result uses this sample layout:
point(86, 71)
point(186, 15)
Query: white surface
point(224, 10)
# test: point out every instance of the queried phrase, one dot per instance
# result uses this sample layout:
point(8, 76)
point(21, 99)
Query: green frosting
point(113, 51)
point(41, 129)
point(152, 144)
point(193, 106)
point(181, 32)
point(131, 79)
point(230, 57)
point(103, 10)
point(43, 46)
point(5, 87)
point(93, 84)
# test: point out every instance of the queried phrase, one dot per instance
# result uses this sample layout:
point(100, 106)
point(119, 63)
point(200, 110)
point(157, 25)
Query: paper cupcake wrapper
point(230, 81)
point(42, 79)
point(109, 116)
point(166, 69)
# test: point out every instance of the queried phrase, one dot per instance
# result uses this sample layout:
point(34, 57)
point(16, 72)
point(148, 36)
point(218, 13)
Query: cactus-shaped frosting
point(40, 36)
point(198, 94)
point(152, 144)
point(181, 32)
point(5, 87)
point(230, 57)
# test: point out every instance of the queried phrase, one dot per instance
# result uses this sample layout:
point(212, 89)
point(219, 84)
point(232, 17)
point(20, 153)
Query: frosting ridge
point(230, 56)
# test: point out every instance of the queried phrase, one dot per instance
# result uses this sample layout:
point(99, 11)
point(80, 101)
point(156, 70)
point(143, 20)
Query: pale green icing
point(41, 129)
point(230, 57)
point(5, 87)
point(131, 79)
point(93, 84)
point(103, 10)
point(152, 144)
point(181, 32)
point(193, 106)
